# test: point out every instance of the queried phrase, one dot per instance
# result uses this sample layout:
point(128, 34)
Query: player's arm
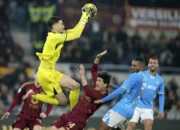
point(76, 32)
point(18, 97)
point(48, 109)
point(94, 73)
point(82, 75)
point(114, 94)
point(46, 113)
point(89, 92)
point(94, 70)
point(71, 34)
point(126, 86)
point(16, 100)
point(161, 97)
point(161, 103)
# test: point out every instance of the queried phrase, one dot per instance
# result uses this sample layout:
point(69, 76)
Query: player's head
point(153, 64)
point(137, 64)
point(35, 79)
point(103, 81)
point(55, 24)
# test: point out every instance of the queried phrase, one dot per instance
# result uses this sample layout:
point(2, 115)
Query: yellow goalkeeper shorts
point(49, 80)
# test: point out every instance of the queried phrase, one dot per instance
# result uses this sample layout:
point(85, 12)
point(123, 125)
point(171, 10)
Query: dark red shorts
point(22, 123)
point(71, 121)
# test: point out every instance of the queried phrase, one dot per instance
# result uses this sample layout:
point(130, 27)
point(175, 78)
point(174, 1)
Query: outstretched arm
point(126, 86)
point(94, 70)
point(72, 34)
point(82, 75)
point(78, 29)
point(16, 100)
point(118, 92)
point(96, 61)
point(89, 92)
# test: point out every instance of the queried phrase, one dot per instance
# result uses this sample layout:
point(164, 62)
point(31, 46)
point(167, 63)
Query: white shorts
point(143, 113)
point(113, 119)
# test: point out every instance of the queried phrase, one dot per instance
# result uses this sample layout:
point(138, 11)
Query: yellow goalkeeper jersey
point(55, 42)
point(52, 48)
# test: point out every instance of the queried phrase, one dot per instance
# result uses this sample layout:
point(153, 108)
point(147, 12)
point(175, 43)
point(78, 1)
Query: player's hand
point(85, 15)
point(43, 115)
point(5, 116)
point(81, 69)
point(98, 101)
point(161, 115)
point(101, 54)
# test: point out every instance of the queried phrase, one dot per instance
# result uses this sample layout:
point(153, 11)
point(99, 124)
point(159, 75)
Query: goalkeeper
point(51, 80)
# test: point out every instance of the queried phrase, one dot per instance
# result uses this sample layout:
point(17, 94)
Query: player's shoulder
point(138, 74)
point(30, 83)
point(141, 75)
point(160, 78)
point(52, 35)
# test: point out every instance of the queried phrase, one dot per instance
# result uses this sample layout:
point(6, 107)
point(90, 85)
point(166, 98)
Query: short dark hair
point(153, 57)
point(140, 59)
point(105, 76)
point(52, 21)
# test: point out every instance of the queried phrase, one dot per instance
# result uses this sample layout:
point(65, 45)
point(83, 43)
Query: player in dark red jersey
point(30, 114)
point(77, 118)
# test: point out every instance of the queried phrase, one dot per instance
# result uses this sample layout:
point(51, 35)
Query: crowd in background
point(31, 17)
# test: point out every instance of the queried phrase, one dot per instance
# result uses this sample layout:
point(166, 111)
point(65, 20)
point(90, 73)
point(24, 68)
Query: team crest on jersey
point(144, 85)
point(34, 101)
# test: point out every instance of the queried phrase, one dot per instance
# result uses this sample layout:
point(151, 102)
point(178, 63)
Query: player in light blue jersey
point(154, 84)
point(124, 108)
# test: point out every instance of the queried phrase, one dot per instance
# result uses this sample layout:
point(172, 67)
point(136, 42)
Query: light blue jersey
point(132, 87)
point(153, 85)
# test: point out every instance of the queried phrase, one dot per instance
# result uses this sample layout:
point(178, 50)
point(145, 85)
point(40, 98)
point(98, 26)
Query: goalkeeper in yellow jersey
point(50, 79)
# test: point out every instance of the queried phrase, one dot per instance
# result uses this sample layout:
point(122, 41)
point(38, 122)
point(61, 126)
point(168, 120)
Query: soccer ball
point(90, 8)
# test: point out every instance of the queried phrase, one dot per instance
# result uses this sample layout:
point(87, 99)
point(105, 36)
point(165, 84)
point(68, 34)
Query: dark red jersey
point(86, 103)
point(31, 108)
point(84, 108)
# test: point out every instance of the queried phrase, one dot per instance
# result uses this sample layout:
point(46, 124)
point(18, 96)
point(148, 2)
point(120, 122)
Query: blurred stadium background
point(126, 28)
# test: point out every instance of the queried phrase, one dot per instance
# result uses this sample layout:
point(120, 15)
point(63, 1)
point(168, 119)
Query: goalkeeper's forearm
point(77, 30)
